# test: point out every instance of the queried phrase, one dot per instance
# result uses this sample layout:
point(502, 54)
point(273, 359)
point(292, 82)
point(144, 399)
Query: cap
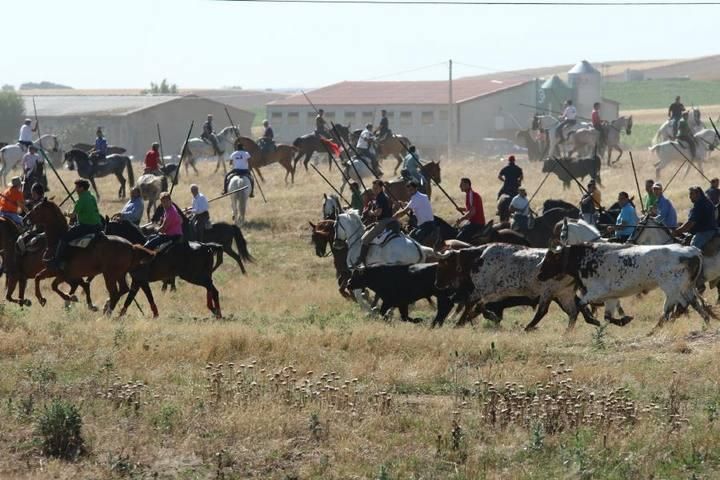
point(511, 158)
point(16, 182)
point(658, 185)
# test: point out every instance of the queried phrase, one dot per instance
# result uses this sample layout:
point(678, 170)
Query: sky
point(211, 44)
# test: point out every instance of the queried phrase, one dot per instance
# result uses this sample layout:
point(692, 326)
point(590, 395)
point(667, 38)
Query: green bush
point(59, 428)
point(12, 112)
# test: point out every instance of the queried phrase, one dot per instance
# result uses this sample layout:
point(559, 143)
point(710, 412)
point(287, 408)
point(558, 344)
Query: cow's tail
point(694, 267)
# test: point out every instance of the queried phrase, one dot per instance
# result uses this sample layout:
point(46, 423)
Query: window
point(406, 118)
point(329, 116)
point(349, 117)
point(427, 118)
point(276, 117)
point(293, 118)
point(443, 115)
point(391, 116)
point(367, 117)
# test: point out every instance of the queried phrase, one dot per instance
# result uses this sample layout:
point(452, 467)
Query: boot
point(363, 254)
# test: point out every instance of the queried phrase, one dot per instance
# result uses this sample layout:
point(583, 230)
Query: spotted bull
point(604, 272)
point(500, 271)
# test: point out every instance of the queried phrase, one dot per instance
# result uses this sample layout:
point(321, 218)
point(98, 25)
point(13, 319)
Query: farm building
point(130, 120)
point(482, 106)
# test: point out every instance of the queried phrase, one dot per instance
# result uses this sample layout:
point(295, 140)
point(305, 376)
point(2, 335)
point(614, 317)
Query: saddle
point(30, 243)
point(84, 241)
point(391, 231)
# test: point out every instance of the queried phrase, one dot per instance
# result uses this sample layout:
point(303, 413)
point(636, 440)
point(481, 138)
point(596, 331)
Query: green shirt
point(650, 201)
point(86, 210)
point(356, 201)
point(684, 128)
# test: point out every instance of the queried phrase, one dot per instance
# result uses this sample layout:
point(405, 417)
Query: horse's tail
point(217, 249)
point(242, 244)
point(131, 174)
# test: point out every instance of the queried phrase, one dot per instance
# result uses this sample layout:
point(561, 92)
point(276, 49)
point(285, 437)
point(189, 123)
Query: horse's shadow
point(257, 224)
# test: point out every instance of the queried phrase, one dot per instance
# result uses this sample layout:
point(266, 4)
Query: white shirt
point(30, 161)
point(570, 112)
point(240, 160)
point(25, 133)
point(366, 137)
point(420, 205)
point(200, 203)
point(521, 205)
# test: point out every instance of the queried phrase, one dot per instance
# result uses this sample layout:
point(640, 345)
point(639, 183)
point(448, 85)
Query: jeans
point(700, 239)
point(468, 231)
point(157, 240)
point(674, 122)
point(12, 216)
point(423, 231)
point(199, 223)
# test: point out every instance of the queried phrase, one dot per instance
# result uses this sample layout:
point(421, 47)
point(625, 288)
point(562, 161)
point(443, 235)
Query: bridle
point(338, 226)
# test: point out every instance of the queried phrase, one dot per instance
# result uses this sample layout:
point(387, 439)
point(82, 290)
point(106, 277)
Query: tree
point(8, 88)
point(12, 112)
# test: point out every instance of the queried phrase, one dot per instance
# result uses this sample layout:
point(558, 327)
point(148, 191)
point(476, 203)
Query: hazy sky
point(129, 43)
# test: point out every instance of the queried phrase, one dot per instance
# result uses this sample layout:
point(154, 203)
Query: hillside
point(660, 93)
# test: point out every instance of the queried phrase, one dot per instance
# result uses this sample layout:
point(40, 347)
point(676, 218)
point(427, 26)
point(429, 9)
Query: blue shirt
point(702, 214)
point(628, 219)
point(666, 212)
point(101, 145)
point(133, 210)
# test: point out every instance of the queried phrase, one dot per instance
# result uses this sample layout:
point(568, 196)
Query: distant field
point(660, 93)
point(259, 115)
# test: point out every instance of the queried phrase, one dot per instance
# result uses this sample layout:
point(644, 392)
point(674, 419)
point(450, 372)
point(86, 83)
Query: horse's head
point(48, 215)
point(330, 207)
point(348, 228)
point(70, 160)
point(432, 170)
point(322, 234)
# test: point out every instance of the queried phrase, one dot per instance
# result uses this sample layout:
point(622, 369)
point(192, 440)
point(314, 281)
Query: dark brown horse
point(109, 256)
point(323, 235)
point(398, 191)
point(283, 155)
point(111, 149)
point(311, 143)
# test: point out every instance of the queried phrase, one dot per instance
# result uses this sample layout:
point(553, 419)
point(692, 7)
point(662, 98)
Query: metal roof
point(401, 93)
point(554, 83)
point(77, 105)
point(583, 67)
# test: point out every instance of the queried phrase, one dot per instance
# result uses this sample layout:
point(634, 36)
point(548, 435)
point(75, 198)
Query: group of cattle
point(486, 279)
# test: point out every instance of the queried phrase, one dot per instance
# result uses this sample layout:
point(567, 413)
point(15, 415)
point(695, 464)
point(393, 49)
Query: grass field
point(661, 93)
point(297, 383)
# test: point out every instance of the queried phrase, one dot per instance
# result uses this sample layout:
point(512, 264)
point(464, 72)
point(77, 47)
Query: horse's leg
point(307, 160)
point(10, 284)
point(85, 285)
point(121, 179)
point(227, 248)
point(111, 286)
point(151, 300)
point(130, 297)
point(294, 161)
point(92, 182)
point(330, 162)
point(619, 154)
point(55, 285)
point(43, 274)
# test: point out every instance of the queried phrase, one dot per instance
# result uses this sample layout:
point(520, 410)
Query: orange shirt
point(10, 200)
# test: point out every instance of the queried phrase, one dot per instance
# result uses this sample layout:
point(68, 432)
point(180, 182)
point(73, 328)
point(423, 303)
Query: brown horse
point(311, 143)
point(394, 145)
point(283, 155)
point(19, 267)
point(111, 256)
point(398, 191)
point(323, 235)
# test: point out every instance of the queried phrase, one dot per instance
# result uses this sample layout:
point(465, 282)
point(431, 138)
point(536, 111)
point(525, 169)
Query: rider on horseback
point(568, 118)
point(99, 152)
point(26, 131)
point(685, 134)
point(170, 226)
point(133, 210)
point(321, 124)
point(675, 111)
point(411, 168)
point(599, 125)
point(88, 219)
point(365, 144)
point(241, 166)
point(520, 210)
point(208, 134)
point(701, 221)
point(511, 175)
point(267, 142)
point(382, 210)
point(473, 212)
point(12, 201)
point(420, 206)
point(201, 213)
point(383, 130)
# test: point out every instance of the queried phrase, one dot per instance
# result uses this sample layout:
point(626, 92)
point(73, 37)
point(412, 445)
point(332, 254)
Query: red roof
point(401, 93)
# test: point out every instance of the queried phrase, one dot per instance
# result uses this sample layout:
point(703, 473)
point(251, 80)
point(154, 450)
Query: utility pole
point(451, 113)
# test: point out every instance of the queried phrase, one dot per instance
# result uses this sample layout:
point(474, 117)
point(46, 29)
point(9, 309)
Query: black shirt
point(676, 109)
point(382, 202)
point(269, 134)
point(512, 175)
point(587, 204)
point(713, 195)
point(703, 214)
point(384, 123)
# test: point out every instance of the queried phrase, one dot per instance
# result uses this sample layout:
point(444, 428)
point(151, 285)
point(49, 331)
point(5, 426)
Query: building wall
point(587, 89)
point(494, 115)
point(424, 125)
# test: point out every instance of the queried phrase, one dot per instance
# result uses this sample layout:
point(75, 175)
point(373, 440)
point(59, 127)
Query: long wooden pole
point(415, 157)
point(162, 155)
point(42, 151)
point(637, 184)
point(331, 185)
point(182, 155)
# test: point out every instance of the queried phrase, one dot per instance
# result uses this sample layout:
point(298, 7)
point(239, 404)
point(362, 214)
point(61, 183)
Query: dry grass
point(298, 383)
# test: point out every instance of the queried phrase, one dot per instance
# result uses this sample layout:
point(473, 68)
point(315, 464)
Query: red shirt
point(595, 118)
point(474, 199)
point(152, 160)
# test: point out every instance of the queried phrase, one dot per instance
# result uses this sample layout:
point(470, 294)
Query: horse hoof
point(93, 308)
point(42, 302)
point(73, 298)
point(25, 303)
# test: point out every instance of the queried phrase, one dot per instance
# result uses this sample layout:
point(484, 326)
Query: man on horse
point(650, 199)
point(713, 193)
point(664, 209)
point(356, 200)
point(26, 131)
point(170, 228)
point(626, 220)
point(701, 221)
point(420, 206)
point(520, 210)
point(152, 160)
point(589, 204)
point(12, 201)
point(382, 211)
point(267, 141)
point(685, 134)
point(133, 210)
point(240, 159)
point(365, 145)
point(473, 212)
point(411, 168)
point(598, 125)
point(88, 221)
point(511, 175)
point(383, 130)
point(99, 152)
point(30, 163)
point(568, 118)
point(201, 212)
point(208, 134)
point(675, 111)
point(321, 125)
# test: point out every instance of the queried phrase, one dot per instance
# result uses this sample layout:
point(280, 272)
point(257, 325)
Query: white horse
point(550, 124)
point(400, 250)
point(360, 168)
point(11, 155)
point(673, 150)
point(197, 148)
point(665, 131)
point(331, 206)
point(585, 139)
point(239, 199)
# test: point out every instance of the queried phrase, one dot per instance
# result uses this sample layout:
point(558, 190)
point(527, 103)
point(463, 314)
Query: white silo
point(586, 83)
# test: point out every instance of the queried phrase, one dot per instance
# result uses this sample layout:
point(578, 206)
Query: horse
point(674, 150)
point(283, 154)
point(541, 234)
point(20, 266)
point(549, 124)
point(239, 200)
point(587, 139)
point(665, 131)
point(112, 164)
point(331, 207)
point(323, 234)
point(111, 256)
point(430, 171)
point(111, 149)
point(197, 148)
point(503, 207)
point(151, 185)
point(359, 168)
point(11, 155)
point(535, 148)
point(311, 143)
point(393, 145)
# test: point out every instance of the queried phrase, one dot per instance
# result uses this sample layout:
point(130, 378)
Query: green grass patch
point(661, 93)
